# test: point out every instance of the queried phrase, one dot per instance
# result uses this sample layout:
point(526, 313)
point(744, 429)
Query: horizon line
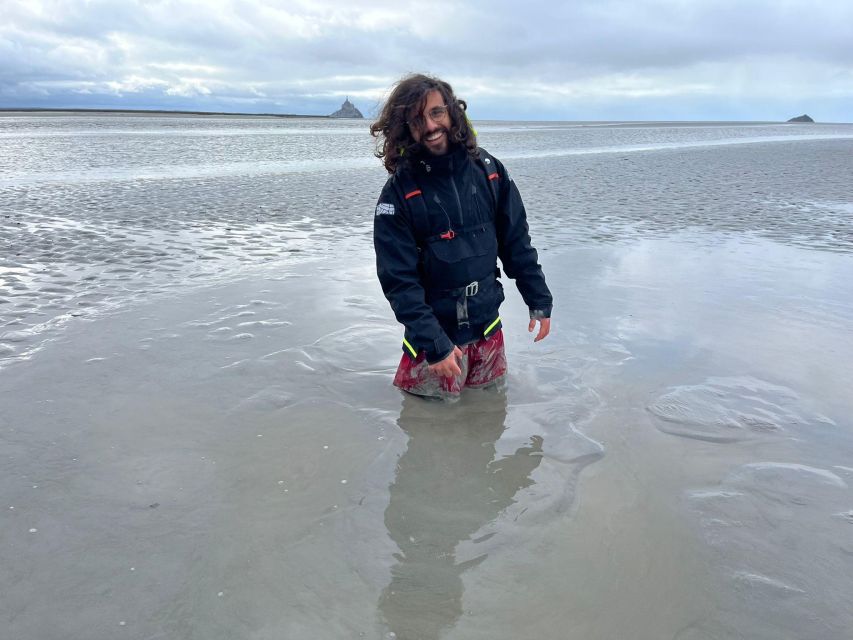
point(329, 117)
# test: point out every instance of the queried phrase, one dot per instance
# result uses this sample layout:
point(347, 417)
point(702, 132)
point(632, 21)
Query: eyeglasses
point(435, 114)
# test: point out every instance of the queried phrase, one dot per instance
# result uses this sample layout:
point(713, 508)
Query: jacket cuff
point(441, 348)
point(538, 314)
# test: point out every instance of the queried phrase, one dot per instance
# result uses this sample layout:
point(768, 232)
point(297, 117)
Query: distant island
point(347, 110)
point(802, 118)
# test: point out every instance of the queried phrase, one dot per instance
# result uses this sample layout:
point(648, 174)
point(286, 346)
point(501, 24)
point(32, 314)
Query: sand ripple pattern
point(790, 192)
point(72, 250)
point(768, 525)
point(732, 409)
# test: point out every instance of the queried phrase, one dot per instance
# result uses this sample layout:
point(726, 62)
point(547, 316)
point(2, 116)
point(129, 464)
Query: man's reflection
point(448, 485)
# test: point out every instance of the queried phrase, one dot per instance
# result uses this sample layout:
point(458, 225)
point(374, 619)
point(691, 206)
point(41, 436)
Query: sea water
point(200, 439)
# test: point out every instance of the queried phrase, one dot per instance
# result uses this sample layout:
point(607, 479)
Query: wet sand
point(200, 438)
point(232, 461)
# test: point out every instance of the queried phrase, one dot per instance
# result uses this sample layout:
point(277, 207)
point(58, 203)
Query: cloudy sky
point(528, 59)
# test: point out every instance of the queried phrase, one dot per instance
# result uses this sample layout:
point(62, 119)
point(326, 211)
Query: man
point(445, 215)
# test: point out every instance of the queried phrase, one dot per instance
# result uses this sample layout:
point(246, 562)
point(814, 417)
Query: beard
point(442, 140)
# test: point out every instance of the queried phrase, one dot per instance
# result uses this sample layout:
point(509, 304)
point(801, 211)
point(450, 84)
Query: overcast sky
point(524, 59)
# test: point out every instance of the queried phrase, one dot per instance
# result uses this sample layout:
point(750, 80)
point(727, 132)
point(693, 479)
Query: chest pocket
point(478, 238)
point(474, 241)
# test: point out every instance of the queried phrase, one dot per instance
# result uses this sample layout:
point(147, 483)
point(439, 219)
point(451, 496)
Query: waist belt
point(463, 293)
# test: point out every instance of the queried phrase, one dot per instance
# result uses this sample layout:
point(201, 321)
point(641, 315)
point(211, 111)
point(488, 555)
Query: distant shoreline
point(5, 111)
point(151, 112)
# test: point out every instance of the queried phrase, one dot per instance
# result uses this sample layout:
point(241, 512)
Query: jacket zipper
point(456, 193)
point(437, 200)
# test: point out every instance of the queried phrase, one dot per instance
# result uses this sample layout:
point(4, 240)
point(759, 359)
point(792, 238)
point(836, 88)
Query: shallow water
point(95, 214)
point(200, 439)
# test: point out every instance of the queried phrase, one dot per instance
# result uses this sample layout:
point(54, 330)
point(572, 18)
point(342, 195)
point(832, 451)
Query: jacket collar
point(450, 162)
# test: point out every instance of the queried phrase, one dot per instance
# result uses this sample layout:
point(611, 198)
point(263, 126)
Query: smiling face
point(431, 127)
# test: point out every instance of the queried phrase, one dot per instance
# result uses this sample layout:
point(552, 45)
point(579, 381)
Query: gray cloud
point(531, 59)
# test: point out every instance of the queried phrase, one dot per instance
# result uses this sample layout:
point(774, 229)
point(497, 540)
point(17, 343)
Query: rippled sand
point(200, 438)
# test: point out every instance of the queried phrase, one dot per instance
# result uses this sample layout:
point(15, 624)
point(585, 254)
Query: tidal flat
point(200, 438)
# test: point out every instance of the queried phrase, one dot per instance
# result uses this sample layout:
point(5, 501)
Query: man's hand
point(544, 327)
point(449, 367)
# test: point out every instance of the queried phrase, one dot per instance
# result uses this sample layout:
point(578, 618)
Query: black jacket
point(422, 273)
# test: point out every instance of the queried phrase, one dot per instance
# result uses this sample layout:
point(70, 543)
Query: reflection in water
point(448, 485)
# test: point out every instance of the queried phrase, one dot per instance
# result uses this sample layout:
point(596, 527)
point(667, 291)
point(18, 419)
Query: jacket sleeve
point(397, 267)
point(518, 257)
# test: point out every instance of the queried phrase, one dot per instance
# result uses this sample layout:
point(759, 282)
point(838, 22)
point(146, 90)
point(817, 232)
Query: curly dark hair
point(408, 97)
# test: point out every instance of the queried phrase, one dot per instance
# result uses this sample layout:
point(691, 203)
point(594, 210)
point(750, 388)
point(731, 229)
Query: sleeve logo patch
point(384, 209)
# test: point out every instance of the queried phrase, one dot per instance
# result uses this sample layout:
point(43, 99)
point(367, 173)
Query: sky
point(519, 60)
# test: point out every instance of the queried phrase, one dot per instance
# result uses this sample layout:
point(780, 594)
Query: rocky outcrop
point(802, 118)
point(347, 110)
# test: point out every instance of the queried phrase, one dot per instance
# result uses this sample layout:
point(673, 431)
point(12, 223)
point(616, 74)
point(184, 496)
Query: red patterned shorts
point(483, 362)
